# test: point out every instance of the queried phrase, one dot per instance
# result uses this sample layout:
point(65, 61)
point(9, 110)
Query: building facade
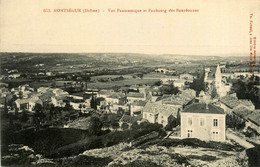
point(203, 121)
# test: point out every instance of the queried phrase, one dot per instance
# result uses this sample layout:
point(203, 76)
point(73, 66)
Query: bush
point(193, 142)
point(115, 125)
point(253, 156)
point(78, 147)
point(135, 126)
point(95, 126)
point(235, 122)
point(124, 126)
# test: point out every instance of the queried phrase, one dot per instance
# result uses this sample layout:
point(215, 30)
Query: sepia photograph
point(130, 83)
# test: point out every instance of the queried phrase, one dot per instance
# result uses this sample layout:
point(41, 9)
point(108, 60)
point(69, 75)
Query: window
point(215, 122)
point(189, 134)
point(202, 121)
point(162, 117)
point(215, 136)
point(190, 121)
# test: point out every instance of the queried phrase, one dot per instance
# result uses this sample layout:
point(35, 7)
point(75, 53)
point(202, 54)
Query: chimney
point(207, 105)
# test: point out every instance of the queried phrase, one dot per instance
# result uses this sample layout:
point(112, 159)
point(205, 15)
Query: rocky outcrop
point(235, 161)
point(111, 152)
point(152, 156)
point(24, 155)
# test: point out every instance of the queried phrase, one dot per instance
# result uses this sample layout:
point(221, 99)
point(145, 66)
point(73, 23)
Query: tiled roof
point(59, 91)
point(255, 117)
point(202, 108)
point(129, 119)
point(181, 99)
point(158, 107)
point(46, 96)
point(42, 89)
point(22, 101)
point(171, 101)
point(242, 111)
point(139, 103)
point(34, 94)
point(230, 101)
point(105, 92)
point(246, 102)
point(233, 102)
point(188, 92)
point(116, 95)
point(134, 94)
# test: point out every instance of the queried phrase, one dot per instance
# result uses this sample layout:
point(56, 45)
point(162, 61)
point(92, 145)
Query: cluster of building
point(200, 117)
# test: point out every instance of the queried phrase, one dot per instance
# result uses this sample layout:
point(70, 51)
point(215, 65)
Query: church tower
point(218, 76)
point(220, 87)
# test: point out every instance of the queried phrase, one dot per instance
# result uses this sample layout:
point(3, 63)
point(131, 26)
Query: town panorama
point(122, 109)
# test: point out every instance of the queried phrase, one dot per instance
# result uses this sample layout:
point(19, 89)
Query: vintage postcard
point(130, 83)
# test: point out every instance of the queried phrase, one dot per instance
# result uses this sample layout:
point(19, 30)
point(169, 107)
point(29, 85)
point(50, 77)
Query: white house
point(203, 121)
point(137, 107)
point(27, 104)
point(58, 101)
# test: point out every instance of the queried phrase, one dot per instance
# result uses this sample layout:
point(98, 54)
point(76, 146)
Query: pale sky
point(220, 27)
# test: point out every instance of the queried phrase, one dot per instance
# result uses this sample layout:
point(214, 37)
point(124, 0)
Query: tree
point(16, 112)
point(235, 122)
point(95, 126)
point(178, 119)
point(158, 83)
point(52, 107)
point(169, 89)
point(5, 107)
point(111, 118)
point(124, 126)
point(198, 84)
point(23, 75)
point(68, 107)
point(214, 92)
point(39, 115)
point(143, 125)
point(172, 124)
point(38, 107)
point(80, 107)
point(93, 103)
point(257, 80)
point(99, 99)
point(115, 125)
point(24, 117)
point(246, 91)
point(135, 126)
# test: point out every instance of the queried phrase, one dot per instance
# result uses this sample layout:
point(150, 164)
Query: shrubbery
point(235, 122)
point(193, 142)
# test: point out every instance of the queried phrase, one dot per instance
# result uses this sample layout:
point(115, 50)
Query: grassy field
point(111, 76)
point(38, 84)
point(126, 82)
